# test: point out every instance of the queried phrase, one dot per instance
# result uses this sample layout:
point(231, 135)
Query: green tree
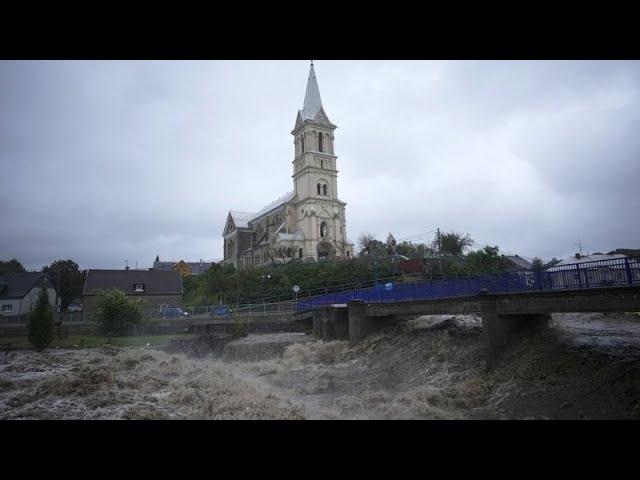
point(68, 278)
point(12, 266)
point(453, 243)
point(115, 313)
point(537, 263)
point(486, 260)
point(40, 322)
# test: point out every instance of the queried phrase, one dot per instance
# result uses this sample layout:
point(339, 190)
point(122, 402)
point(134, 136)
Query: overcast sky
point(103, 162)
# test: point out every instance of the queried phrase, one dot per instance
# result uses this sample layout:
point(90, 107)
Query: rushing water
point(586, 366)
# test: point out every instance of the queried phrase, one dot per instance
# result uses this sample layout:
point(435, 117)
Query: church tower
point(307, 224)
point(319, 212)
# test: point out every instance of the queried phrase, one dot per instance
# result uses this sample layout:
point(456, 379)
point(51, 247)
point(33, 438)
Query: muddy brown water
point(584, 367)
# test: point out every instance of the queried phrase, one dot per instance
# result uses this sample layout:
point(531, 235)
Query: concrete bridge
point(506, 317)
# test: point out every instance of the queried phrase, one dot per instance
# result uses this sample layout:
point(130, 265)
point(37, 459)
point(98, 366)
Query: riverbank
point(91, 341)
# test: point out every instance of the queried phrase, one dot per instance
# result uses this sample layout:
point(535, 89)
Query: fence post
point(627, 269)
point(579, 275)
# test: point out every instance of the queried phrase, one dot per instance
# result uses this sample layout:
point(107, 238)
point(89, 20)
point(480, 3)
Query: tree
point(40, 322)
point(365, 242)
point(552, 262)
point(115, 313)
point(68, 278)
point(537, 263)
point(453, 243)
point(486, 260)
point(12, 266)
point(391, 244)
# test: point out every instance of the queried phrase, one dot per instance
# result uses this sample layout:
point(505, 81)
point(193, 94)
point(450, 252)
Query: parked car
point(173, 312)
point(74, 307)
point(221, 311)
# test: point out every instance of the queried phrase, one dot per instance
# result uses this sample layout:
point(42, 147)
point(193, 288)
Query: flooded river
point(432, 367)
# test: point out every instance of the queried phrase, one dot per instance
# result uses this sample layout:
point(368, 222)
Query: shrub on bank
point(116, 314)
point(40, 322)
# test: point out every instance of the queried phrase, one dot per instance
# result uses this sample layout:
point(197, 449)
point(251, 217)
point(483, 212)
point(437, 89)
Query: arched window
point(324, 189)
point(323, 229)
point(302, 142)
point(289, 253)
point(320, 142)
point(300, 253)
point(319, 189)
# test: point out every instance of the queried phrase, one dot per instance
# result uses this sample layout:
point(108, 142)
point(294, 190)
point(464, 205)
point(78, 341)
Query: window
point(320, 142)
point(7, 307)
point(302, 143)
point(319, 187)
point(289, 253)
point(321, 163)
point(324, 189)
point(300, 253)
point(138, 288)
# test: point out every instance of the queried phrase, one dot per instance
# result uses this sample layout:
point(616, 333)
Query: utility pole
point(439, 247)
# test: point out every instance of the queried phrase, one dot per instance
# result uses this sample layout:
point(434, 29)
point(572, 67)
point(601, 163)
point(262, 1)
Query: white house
point(580, 271)
point(19, 293)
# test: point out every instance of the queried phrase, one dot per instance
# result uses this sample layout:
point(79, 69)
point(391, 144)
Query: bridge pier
point(331, 322)
point(499, 331)
point(360, 325)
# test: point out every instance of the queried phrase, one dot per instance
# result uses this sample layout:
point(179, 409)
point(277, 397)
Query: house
point(308, 223)
point(185, 268)
point(19, 292)
point(516, 262)
point(155, 288)
point(580, 271)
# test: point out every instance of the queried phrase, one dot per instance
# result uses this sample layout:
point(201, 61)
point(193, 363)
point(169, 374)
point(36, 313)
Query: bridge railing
point(596, 274)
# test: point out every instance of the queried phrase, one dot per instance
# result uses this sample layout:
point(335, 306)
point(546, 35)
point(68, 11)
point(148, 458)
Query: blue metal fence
point(603, 273)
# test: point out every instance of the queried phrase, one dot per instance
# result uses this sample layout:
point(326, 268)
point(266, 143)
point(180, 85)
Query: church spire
point(312, 100)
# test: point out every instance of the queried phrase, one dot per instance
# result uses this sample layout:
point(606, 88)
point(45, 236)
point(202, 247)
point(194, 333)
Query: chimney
point(577, 256)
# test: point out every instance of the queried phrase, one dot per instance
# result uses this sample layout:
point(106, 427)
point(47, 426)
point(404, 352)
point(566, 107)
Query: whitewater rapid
point(584, 367)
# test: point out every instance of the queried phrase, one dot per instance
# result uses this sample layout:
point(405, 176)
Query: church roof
point(312, 100)
point(273, 205)
point(241, 219)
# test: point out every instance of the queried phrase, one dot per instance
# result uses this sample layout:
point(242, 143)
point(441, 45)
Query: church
point(307, 224)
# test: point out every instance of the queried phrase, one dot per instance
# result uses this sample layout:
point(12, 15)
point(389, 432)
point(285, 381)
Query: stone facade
point(307, 224)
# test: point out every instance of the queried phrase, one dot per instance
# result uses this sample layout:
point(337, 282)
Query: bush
point(40, 322)
point(116, 314)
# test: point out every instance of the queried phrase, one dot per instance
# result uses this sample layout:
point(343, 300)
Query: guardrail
point(596, 274)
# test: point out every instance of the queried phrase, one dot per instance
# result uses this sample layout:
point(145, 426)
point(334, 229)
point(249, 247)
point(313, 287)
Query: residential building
point(155, 288)
point(19, 292)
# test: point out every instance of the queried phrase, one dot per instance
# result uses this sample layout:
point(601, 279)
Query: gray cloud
point(104, 162)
